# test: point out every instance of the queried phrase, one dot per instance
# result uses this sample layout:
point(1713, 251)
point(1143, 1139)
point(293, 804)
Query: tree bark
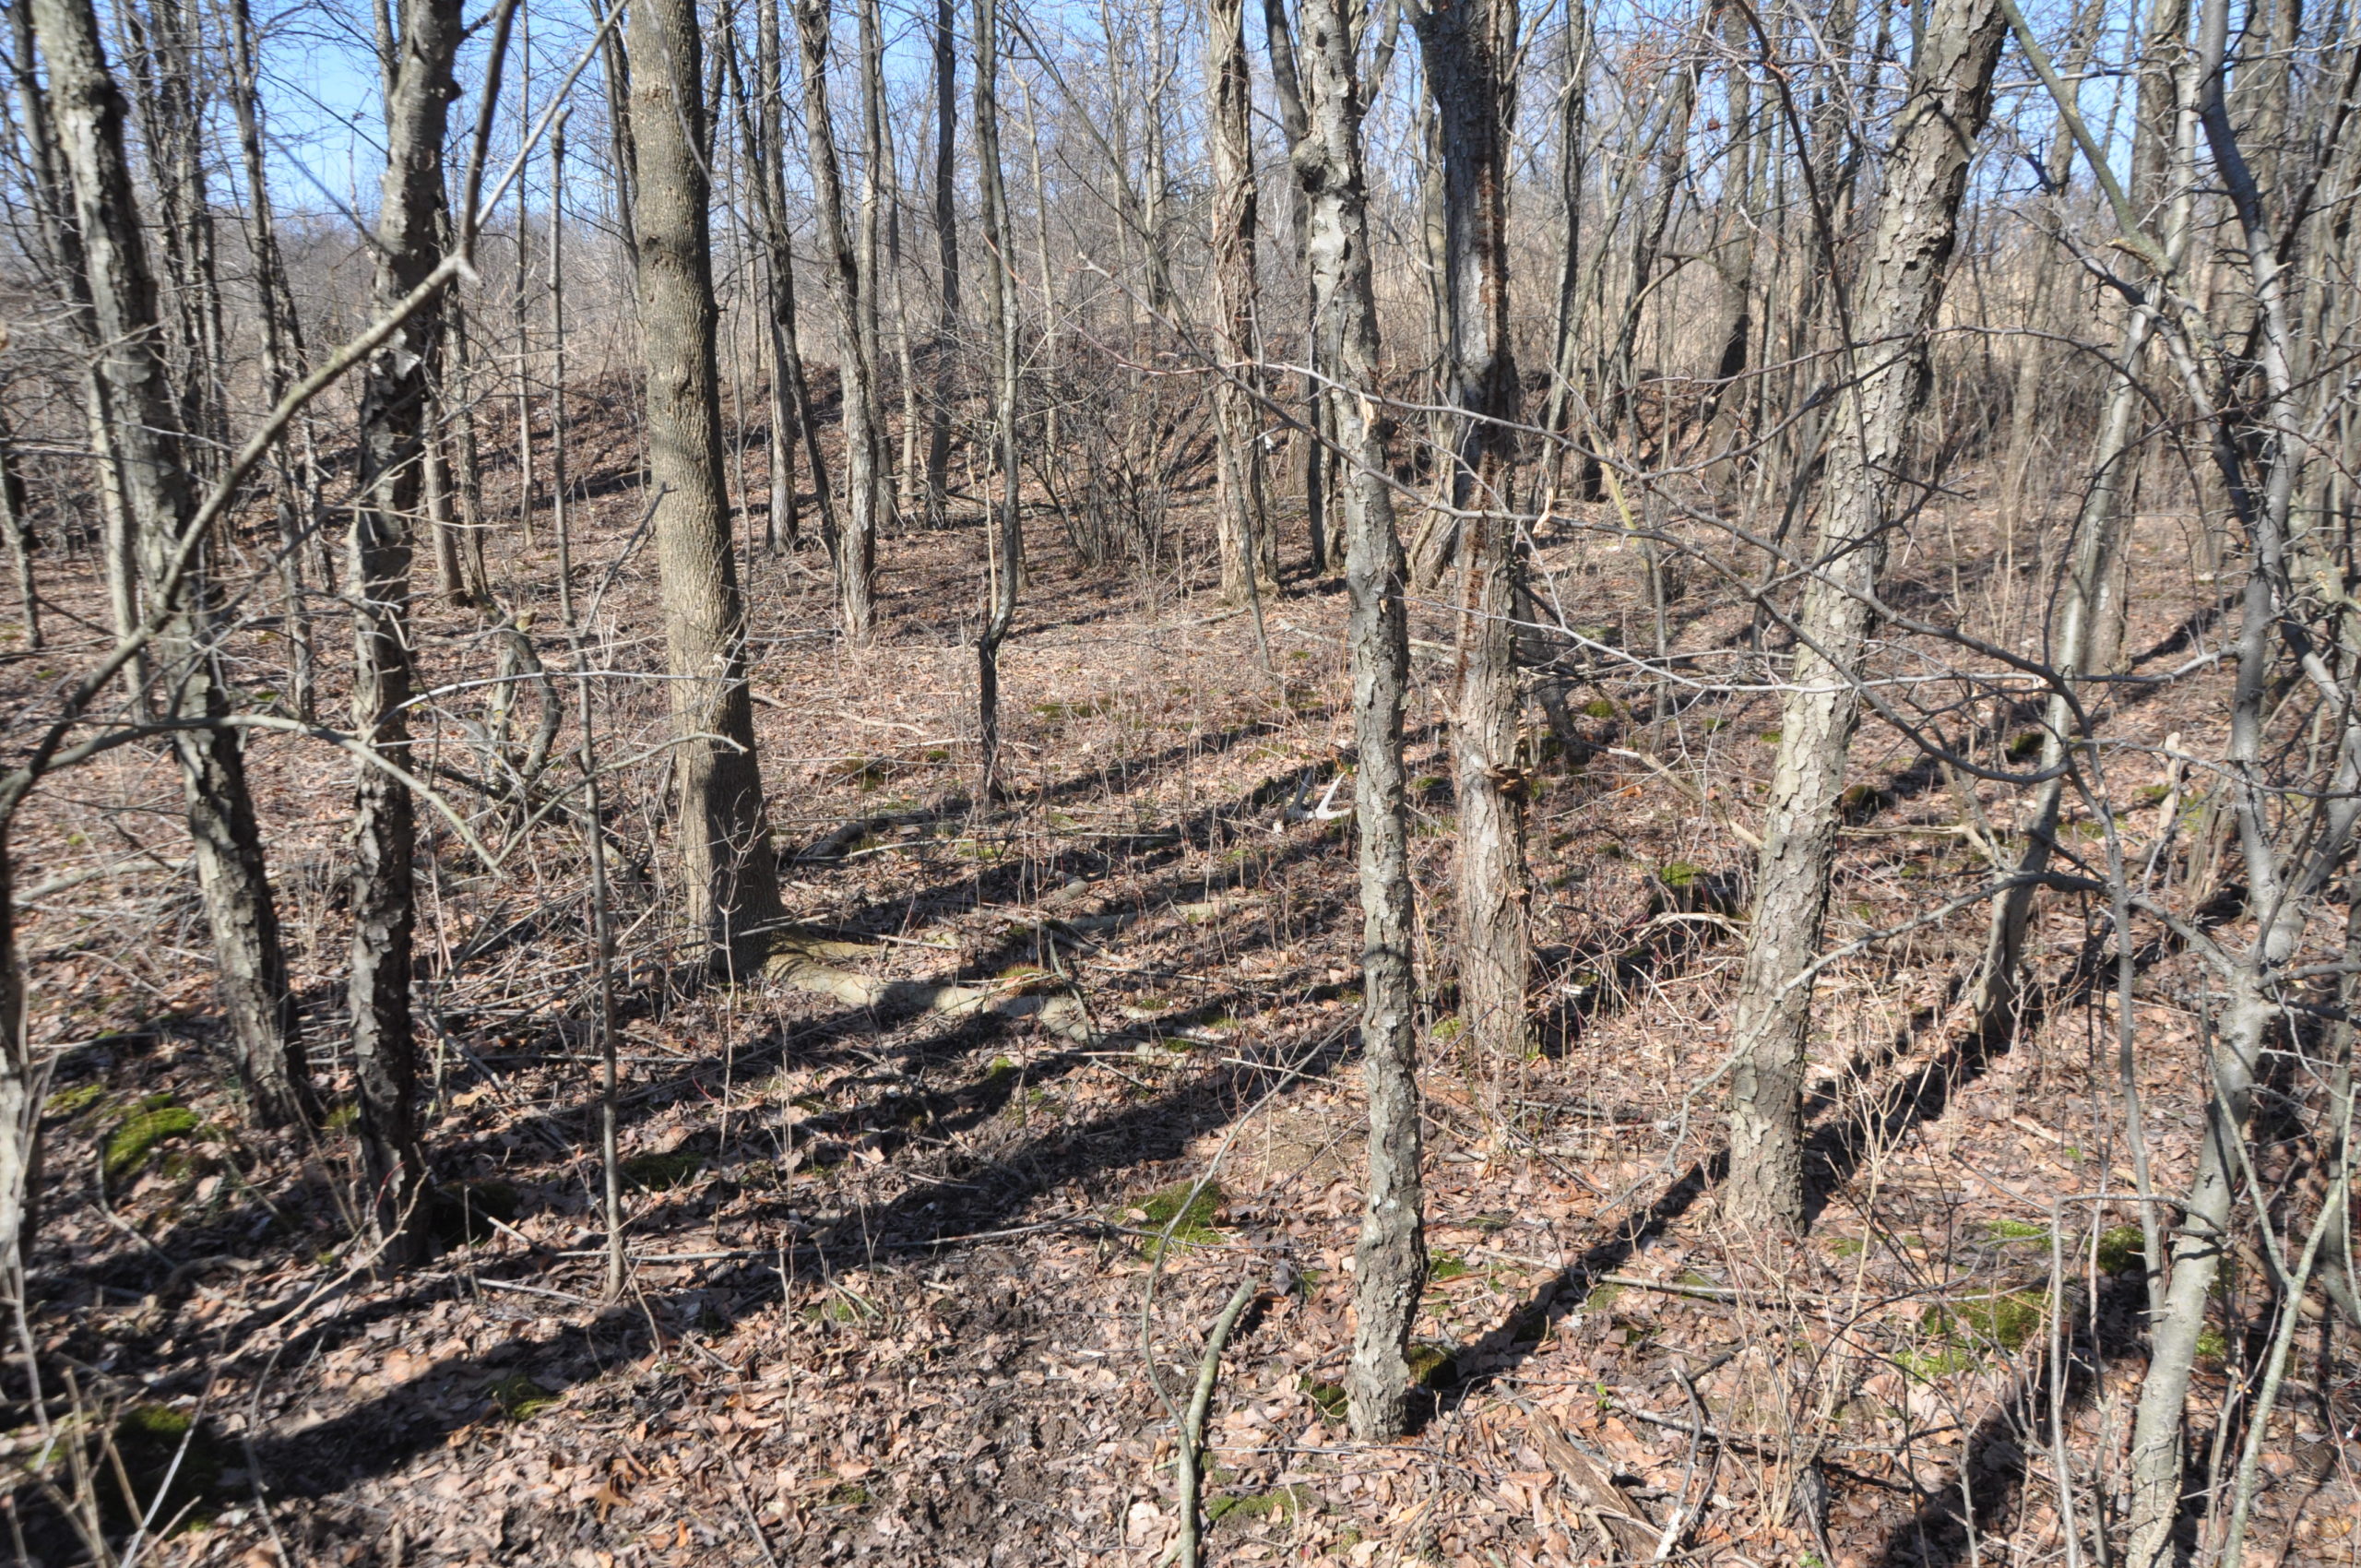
point(147, 444)
point(727, 871)
point(396, 417)
point(1390, 1259)
point(1901, 288)
point(1466, 44)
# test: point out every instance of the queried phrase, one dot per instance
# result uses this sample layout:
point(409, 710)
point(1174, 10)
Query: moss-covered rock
point(137, 1135)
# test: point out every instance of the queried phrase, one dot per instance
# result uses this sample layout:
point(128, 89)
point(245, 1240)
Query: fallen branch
point(1193, 1429)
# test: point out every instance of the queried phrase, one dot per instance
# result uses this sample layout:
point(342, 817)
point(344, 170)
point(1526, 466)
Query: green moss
point(2212, 1348)
point(1185, 1212)
point(847, 1494)
point(2006, 1322)
point(1680, 875)
point(1431, 1366)
point(2123, 1247)
point(2026, 745)
point(2017, 1231)
point(1598, 707)
point(137, 1135)
point(1448, 1028)
point(148, 1439)
point(74, 1102)
point(2155, 794)
point(1328, 1399)
point(1848, 1246)
point(1771, 737)
point(520, 1397)
point(343, 1116)
point(838, 1308)
point(1286, 1503)
point(658, 1173)
point(1447, 1266)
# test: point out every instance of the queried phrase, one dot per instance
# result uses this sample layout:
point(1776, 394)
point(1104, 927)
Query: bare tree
point(1240, 530)
point(857, 366)
point(946, 253)
point(396, 417)
point(150, 472)
point(1390, 1259)
point(1900, 285)
point(1466, 47)
point(1006, 539)
point(728, 873)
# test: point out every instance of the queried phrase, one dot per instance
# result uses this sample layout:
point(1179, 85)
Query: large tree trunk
point(150, 474)
point(1242, 538)
point(1902, 284)
point(1466, 44)
point(1389, 1261)
point(865, 447)
point(730, 879)
point(396, 417)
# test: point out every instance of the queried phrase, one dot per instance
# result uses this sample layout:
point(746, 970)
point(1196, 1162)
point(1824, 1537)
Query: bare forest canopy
point(1368, 781)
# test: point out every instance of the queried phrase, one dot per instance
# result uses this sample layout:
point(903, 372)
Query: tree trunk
point(1230, 135)
point(395, 417)
point(1901, 287)
point(869, 257)
point(1390, 1260)
point(1566, 336)
point(1316, 439)
point(282, 350)
point(857, 544)
point(2091, 554)
point(727, 871)
point(16, 516)
point(1466, 46)
point(1000, 317)
point(150, 474)
point(765, 140)
point(946, 260)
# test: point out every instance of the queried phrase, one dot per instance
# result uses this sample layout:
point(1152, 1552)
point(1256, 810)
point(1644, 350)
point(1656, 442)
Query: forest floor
point(911, 1285)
